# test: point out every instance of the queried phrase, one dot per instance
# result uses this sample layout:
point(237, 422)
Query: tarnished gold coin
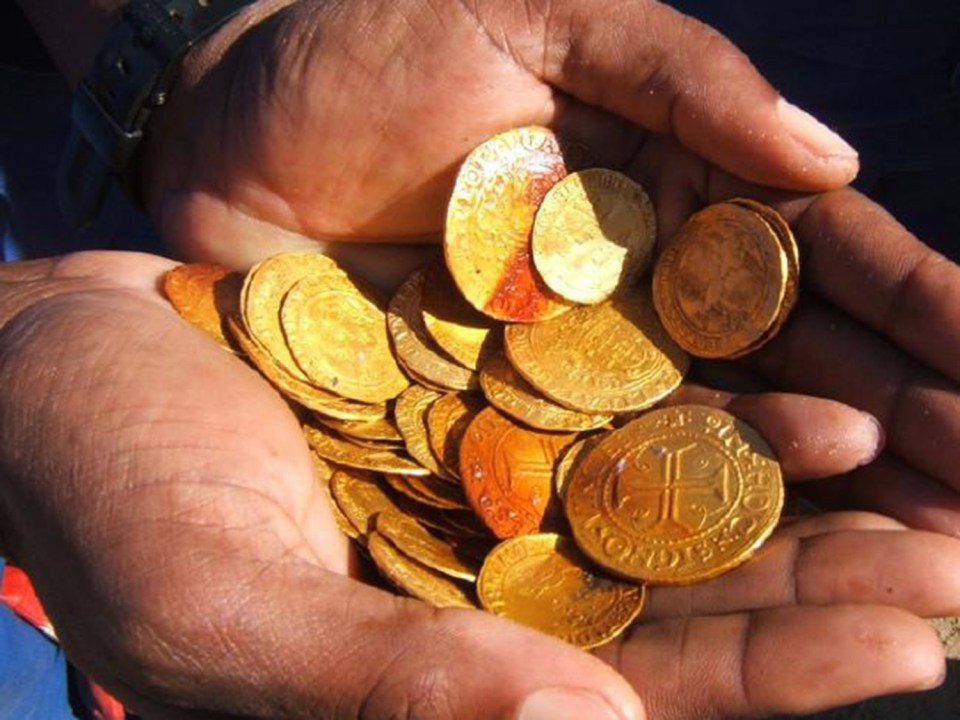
point(607, 358)
point(569, 461)
point(507, 473)
point(447, 421)
point(415, 348)
point(324, 474)
point(464, 334)
point(543, 582)
point(264, 289)
point(594, 232)
point(205, 296)
point(298, 389)
point(382, 429)
point(410, 412)
point(411, 538)
point(507, 391)
point(414, 578)
point(678, 496)
point(340, 450)
point(489, 220)
point(720, 284)
point(337, 334)
point(360, 497)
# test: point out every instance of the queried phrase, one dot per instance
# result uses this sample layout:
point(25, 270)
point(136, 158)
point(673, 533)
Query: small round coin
point(612, 357)
point(447, 421)
point(543, 582)
point(414, 540)
point(507, 473)
point(720, 284)
point(594, 232)
point(489, 220)
point(205, 296)
point(680, 495)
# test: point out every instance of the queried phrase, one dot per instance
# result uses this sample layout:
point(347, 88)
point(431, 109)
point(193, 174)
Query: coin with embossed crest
point(544, 582)
point(414, 347)
point(611, 357)
point(507, 391)
point(594, 232)
point(464, 334)
point(507, 473)
point(447, 421)
point(719, 285)
point(678, 496)
point(489, 220)
point(337, 334)
point(205, 296)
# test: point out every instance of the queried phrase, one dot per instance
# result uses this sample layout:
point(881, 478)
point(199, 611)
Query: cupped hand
point(318, 120)
point(161, 496)
point(877, 327)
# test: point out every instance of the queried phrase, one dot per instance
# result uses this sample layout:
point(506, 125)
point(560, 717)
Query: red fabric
point(17, 593)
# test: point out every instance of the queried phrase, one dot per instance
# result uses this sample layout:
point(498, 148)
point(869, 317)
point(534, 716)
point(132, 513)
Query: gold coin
point(543, 582)
point(324, 472)
point(464, 334)
point(411, 416)
point(413, 540)
point(414, 578)
point(381, 429)
point(337, 334)
point(340, 450)
point(205, 296)
point(507, 474)
point(360, 497)
point(299, 390)
point(429, 490)
point(489, 221)
point(678, 496)
point(266, 284)
point(720, 284)
point(415, 348)
point(569, 461)
point(594, 233)
point(447, 421)
point(607, 358)
point(507, 391)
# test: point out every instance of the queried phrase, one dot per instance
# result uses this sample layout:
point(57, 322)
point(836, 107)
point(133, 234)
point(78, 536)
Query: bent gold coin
point(337, 334)
point(543, 582)
point(205, 296)
point(507, 473)
point(414, 578)
point(720, 284)
point(489, 220)
point(594, 232)
point(411, 538)
point(607, 358)
point(678, 496)
point(464, 334)
point(507, 391)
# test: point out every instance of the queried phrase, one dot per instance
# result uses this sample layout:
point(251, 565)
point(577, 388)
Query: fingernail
point(879, 438)
point(812, 133)
point(561, 704)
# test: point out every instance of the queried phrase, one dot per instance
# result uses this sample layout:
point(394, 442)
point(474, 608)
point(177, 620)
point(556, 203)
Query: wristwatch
point(132, 76)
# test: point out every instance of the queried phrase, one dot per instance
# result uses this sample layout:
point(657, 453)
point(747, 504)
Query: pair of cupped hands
point(160, 494)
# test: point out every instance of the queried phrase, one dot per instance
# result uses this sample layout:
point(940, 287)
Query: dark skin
point(160, 494)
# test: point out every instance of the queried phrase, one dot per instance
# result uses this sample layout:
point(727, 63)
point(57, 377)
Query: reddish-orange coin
point(507, 473)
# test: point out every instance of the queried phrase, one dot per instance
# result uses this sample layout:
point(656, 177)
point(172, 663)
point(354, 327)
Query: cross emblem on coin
point(675, 492)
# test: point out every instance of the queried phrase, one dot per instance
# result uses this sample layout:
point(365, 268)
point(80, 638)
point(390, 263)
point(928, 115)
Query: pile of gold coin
point(490, 436)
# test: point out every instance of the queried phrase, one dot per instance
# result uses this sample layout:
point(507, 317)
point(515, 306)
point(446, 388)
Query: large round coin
point(489, 221)
point(608, 358)
point(593, 233)
point(678, 496)
point(543, 582)
point(507, 473)
point(720, 284)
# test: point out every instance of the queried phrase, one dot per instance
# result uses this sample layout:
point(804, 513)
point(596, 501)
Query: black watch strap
point(131, 77)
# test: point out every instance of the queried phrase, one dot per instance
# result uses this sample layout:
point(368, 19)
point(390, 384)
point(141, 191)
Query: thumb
point(671, 74)
point(323, 645)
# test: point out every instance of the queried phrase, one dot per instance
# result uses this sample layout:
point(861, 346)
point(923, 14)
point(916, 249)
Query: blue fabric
point(33, 672)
